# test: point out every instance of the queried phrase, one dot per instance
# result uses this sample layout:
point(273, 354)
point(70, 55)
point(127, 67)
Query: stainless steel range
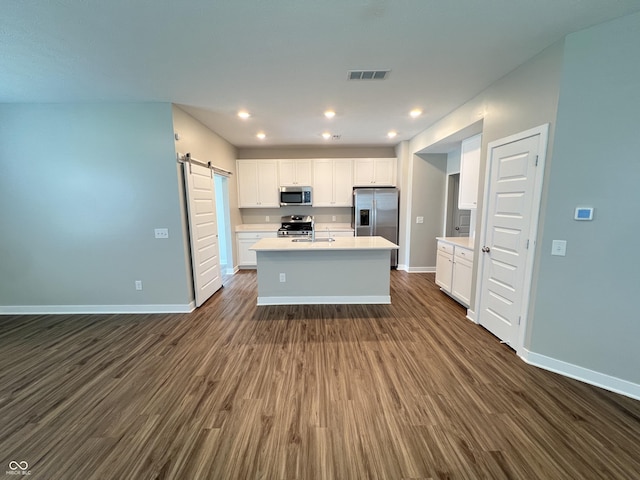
point(296, 226)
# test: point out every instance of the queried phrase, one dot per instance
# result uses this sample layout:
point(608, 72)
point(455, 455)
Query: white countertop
point(466, 242)
point(273, 227)
point(340, 243)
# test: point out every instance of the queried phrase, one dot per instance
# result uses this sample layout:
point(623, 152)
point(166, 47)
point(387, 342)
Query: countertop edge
point(464, 242)
point(340, 243)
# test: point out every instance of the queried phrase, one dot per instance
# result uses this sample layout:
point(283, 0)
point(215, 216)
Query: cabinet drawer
point(445, 247)
point(464, 253)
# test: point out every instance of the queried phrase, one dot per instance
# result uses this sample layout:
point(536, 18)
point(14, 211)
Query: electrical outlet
point(419, 219)
point(283, 278)
point(333, 218)
point(161, 232)
point(138, 284)
point(266, 218)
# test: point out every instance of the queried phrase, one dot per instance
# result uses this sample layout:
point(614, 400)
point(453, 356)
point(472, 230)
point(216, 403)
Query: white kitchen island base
point(352, 270)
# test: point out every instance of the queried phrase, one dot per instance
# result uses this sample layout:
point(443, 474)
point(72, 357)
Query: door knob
point(486, 249)
point(457, 228)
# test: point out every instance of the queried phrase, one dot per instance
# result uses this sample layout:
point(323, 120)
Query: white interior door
point(203, 231)
point(512, 202)
point(463, 223)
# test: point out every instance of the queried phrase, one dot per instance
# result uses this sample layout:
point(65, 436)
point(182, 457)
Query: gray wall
point(428, 201)
point(207, 146)
point(585, 310)
point(405, 163)
point(525, 98)
point(320, 214)
point(82, 188)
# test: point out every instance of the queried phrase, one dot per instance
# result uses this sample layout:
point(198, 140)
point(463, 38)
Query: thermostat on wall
point(584, 213)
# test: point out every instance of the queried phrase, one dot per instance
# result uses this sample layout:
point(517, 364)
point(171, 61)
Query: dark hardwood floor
point(232, 391)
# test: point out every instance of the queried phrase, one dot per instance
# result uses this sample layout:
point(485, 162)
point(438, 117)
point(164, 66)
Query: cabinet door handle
point(486, 249)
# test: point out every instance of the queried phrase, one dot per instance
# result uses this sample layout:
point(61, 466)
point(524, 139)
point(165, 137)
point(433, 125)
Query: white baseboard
point(233, 270)
point(403, 267)
point(421, 269)
point(582, 374)
point(93, 309)
point(325, 300)
point(471, 315)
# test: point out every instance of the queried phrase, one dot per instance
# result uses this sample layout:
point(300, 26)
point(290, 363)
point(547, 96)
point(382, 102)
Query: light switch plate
point(559, 247)
point(419, 219)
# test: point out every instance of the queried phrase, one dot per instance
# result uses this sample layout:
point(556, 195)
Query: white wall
point(82, 188)
point(585, 310)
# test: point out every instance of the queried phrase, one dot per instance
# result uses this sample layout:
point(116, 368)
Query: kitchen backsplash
point(321, 215)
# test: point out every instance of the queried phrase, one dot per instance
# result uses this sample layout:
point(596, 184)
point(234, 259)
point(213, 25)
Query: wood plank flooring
point(232, 391)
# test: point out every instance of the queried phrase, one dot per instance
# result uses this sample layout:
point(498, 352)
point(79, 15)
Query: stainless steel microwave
point(295, 196)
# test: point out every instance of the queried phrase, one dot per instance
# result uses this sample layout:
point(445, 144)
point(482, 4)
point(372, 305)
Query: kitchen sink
point(309, 240)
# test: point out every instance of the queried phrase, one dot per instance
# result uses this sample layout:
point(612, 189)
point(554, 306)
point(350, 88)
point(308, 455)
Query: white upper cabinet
point(322, 183)
point(343, 182)
point(332, 182)
point(469, 173)
point(295, 172)
point(374, 172)
point(258, 184)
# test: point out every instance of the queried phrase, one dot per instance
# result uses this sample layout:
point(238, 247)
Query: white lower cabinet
point(462, 268)
point(454, 266)
point(245, 240)
point(444, 266)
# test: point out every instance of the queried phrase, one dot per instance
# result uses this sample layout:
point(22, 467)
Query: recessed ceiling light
point(243, 114)
point(416, 112)
point(392, 134)
point(326, 135)
point(329, 114)
point(261, 135)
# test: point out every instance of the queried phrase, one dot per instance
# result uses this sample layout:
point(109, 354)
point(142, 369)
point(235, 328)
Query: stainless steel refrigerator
point(375, 213)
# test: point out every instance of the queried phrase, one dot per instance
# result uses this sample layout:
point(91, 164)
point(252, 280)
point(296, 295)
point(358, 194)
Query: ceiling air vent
point(367, 74)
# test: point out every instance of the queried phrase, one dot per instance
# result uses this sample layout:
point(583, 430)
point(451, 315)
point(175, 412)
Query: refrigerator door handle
point(375, 217)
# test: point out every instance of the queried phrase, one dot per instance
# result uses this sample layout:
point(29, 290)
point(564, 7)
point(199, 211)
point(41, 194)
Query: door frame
point(543, 132)
point(225, 220)
point(451, 203)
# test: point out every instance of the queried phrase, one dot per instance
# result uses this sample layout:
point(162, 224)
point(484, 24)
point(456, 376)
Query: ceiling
point(285, 61)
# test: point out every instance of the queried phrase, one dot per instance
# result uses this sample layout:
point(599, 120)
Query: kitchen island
point(326, 271)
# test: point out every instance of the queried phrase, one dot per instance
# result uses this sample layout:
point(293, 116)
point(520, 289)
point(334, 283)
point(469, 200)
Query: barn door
point(203, 231)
